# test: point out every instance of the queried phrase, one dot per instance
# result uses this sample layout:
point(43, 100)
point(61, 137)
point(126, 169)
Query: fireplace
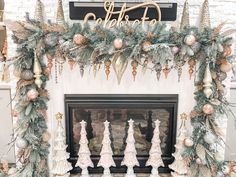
point(144, 109)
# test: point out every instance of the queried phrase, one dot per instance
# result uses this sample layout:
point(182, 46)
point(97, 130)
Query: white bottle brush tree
point(130, 159)
point(155, 153)
point(106, 160)
point(179, 165)
point(60, 164)
point(84, 161)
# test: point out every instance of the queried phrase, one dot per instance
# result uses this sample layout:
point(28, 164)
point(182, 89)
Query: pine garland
point(48, 38)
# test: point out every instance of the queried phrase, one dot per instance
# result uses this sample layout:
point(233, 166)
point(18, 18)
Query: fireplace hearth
point(144, 109)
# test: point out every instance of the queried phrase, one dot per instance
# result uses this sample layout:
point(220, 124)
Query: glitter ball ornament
point(225, 66)
point(118, 43)
point(21, 143)
point(208, 109)
point(221, 76)
point(146, 45)
point(175, 50)
point(27, 75)
point(190, 39)
point(209, 137)
point(79, 39)
point(188, 142)
point(32, 94)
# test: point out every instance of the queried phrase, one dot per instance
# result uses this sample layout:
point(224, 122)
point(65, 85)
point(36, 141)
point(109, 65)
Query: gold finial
point(185, 16)
point(183, 116)
point(59, 116)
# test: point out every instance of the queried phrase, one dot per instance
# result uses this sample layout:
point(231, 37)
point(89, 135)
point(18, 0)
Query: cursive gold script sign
point(123, 19)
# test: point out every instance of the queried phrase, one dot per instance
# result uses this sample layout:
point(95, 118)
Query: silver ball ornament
point(21, 143)
point(27, 75)
point(51, 40)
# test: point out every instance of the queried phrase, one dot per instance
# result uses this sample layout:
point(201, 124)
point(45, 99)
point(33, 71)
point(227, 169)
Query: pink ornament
point(118, 43)
point(198, 161)
point(190, 39)
point(32, 94)
point(175, 50)
point(208, 109)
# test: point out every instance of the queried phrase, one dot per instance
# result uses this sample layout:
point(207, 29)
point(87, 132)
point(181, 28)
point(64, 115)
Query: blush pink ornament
point(32, 94)
point(118, 43)
point(190, 39)
point(175, 50)
point(208, 109)
point(198, 161)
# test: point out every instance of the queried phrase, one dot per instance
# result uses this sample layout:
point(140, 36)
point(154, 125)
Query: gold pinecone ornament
point(185, 16)
point(38, 15)
point(60, 19)
point(205, 16)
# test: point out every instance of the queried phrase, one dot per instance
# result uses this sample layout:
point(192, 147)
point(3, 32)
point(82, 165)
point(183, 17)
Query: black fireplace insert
point(144, 109)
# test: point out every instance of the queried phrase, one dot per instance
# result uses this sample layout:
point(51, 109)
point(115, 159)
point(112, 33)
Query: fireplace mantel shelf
point(122, 175)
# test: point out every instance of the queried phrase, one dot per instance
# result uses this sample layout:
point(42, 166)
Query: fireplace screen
point(118, 109)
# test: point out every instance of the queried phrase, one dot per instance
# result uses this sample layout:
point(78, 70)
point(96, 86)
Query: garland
point(157, 48)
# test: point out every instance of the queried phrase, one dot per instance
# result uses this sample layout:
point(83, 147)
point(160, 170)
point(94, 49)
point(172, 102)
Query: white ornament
point(207, 82)
point(210, 138)
point(198, 161)
point(188, 142)
point(37, 71)
point(60, 164)
point(12, 172)
point(21, 143)
point(84, 161)
point(106, 160)
point(155, 153)
point(118, 43)
point(130, 159)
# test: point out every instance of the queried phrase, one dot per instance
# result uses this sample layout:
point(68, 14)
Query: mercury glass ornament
point(221, 76)
point(196, 47)
point(225, 66)
point(27, 75)
point(146, 45)
point(119, 63)
point(21, 143)
point(207, 82)
point(51, 40)
point(175, 50)
point(79, 39)
point(210, 138)
point(118, 43)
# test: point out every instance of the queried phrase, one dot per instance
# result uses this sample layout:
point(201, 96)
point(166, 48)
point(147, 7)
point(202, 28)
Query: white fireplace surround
point(70, 82)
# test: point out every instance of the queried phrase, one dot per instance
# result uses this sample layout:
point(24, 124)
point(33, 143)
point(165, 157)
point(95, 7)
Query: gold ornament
point(79, 39)
point(118, 43)
point(146, 45)
point(119, 64)
point(134, 65)
point(107, 66)
point(38, 16)
point(192, 64)
point(207, 82)
point(225, 66)
point(205, 16)
point(59, 116)
point(179, 69)
point(185, 16)
point(94, 69)
point(37, 71)
point(166, 71)
point(60, 13)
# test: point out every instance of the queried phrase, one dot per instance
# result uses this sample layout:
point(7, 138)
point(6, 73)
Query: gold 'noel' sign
point(123, 18)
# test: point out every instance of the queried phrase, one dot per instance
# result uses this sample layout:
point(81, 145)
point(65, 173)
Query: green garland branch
point(160, 48)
